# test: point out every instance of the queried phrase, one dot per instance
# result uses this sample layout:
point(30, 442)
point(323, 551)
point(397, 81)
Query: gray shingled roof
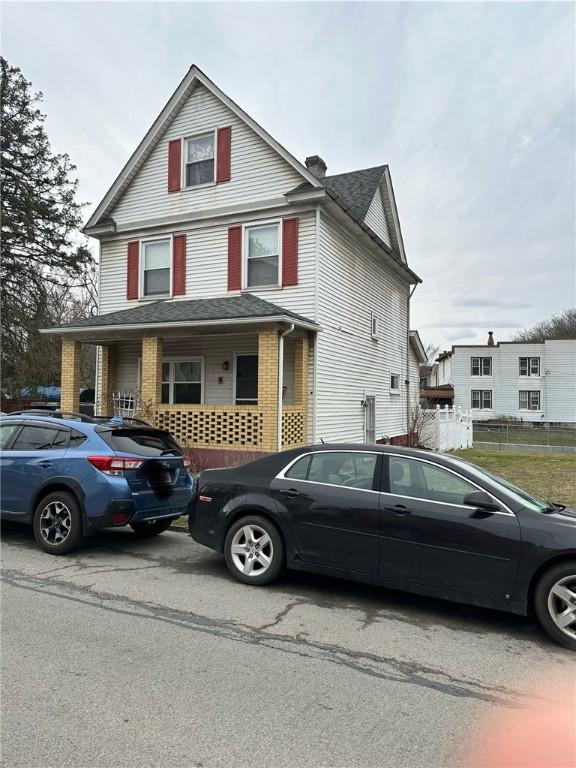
point(356, 188)
point(196, 310)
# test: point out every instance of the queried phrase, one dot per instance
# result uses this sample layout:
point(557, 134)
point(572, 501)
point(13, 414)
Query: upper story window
point(262, 255)
point(156, 261)
point(199, 160)
point(481, 366)
point(529, 366)
point(394, 383)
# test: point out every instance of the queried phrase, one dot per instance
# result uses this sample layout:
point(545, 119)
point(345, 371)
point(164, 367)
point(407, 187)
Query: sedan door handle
point(398, 509)
point(291, 492)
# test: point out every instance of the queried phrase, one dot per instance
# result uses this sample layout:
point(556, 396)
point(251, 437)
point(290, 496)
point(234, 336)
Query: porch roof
point(244, 308)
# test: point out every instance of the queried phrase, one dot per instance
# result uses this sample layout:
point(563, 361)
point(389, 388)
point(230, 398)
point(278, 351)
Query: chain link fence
point(538, 435)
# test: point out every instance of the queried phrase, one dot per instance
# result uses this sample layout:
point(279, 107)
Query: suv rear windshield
point(143, 442)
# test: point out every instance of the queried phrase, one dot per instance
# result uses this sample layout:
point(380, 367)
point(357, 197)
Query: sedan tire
point(57, 523)
point(555, 603)
point(254, 550)
point(146, 530)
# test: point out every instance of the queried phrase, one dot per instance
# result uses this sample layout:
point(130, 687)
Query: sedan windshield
point(521, 496)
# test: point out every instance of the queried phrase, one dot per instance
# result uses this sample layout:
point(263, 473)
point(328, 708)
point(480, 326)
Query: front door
point(246, 379)
point(430, 537)
point(331, 503)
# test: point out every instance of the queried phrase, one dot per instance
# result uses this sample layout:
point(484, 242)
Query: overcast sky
point(472, 105)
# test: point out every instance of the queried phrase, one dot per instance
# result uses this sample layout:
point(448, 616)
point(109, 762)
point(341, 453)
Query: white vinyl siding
point(556, 383)
point(376, 218)
point(207, 268)
point(354, 283)
point(258, 172)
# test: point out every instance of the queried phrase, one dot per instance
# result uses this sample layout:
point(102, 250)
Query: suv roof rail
point(71, 415)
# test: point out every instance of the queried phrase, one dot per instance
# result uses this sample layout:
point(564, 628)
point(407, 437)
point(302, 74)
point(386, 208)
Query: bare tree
point(560, 326)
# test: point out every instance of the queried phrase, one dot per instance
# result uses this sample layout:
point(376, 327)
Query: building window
point(482, 399)
point(156, 257)
point(246, 379)
point(262, 249)
point(529, 366)
point(182, 381)
point(481, 366)
point(199, 160)
point(529, 400)
point(394, 383)
point(374, 329)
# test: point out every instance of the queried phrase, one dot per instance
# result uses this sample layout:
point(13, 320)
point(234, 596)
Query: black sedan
point(407, 519)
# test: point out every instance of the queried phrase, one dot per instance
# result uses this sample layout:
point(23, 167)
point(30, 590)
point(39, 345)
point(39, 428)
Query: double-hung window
point(262, 255)
point(482, 399)
point(481, 366)
point(182, 381)
point(529, 366)
point(156, 258)
point(199, 160)
point(529, 400)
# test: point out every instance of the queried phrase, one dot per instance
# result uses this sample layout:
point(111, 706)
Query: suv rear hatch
point(161, 482)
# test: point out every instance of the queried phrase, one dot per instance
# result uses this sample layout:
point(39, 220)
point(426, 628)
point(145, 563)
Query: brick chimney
point(490, 338)
point(316, 166)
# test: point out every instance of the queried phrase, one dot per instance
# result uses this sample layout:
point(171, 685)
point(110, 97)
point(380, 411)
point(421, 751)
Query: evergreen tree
point(40, 222)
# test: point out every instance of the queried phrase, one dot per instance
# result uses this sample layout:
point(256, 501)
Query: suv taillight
point(112, 465)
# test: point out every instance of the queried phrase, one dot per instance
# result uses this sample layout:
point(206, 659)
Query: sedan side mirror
point(481, 500)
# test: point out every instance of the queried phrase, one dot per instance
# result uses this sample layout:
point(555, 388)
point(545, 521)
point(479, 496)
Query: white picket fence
point(445, 429)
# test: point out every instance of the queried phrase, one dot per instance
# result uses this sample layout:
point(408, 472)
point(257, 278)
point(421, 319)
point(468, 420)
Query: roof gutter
point(62, 331)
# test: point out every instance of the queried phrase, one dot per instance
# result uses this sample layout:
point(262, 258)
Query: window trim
point(171, 359)
point(481, 407)
point(529, 359)
point(234, 370)
point(529, 393)
point(254, 225)
point(394, 390)
point(481, 360)
point(141, 270)
point(183, 139)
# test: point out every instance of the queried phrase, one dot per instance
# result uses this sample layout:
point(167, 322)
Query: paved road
point(135, 653)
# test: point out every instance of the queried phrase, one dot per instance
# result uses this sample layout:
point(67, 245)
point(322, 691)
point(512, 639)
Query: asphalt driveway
point(146, 653)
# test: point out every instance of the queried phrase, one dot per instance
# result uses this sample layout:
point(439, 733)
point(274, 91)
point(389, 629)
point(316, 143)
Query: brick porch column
point(301, 352)
point(107, 379)
point(268, 388)
point(151, 381)
point(70, 376)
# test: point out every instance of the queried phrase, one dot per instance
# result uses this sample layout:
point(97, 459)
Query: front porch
point(215, 390)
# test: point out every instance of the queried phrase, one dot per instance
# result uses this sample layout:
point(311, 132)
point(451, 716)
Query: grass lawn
point(508, 433)
point(551, 477)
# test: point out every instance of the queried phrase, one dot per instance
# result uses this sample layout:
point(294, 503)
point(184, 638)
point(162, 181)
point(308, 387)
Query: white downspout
point(289, 330)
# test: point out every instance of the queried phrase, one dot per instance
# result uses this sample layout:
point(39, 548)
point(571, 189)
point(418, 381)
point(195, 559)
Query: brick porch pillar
point(268, 388)
point(70, 376)
point(107, 379)
point(301, 353)
point(151, 381)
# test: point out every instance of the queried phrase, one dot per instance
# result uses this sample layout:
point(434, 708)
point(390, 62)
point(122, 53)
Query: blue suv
point(69, 475)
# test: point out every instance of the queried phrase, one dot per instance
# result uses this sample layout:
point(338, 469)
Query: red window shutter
point(179, 266)
point(290, 252)
point(174, 165)
point(234, 258)
point(224, 155)
point(132, 273)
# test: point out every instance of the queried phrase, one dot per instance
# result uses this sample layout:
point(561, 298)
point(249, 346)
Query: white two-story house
point(529, 382)
point(248, 302)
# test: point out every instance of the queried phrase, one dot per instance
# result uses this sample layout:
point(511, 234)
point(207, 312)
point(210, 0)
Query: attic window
point(199, 160)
